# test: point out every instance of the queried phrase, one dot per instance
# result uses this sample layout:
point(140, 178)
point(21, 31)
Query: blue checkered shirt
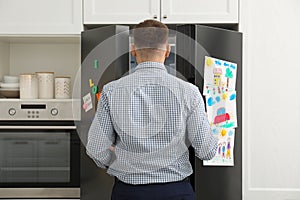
point(151, 117)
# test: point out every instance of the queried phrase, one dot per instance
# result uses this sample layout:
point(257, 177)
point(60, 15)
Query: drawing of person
point(223, 150)
point(219, 148)
point(228, 153)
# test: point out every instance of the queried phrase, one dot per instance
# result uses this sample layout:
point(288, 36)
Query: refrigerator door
point(196, 42)
point(104, 58)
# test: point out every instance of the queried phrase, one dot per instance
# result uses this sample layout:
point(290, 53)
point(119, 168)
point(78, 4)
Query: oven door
point(39, 162)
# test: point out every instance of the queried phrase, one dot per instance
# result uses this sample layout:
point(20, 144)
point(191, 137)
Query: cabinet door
point(120, 12)
point(40, 17)
point(199, 11)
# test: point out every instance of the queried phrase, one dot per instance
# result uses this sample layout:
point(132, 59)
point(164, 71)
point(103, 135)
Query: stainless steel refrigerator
point(213, 183)
point(105, 57)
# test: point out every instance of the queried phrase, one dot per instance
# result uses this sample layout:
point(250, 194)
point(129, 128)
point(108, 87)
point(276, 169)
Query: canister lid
point(62, 77)
point(44, 72)
point(27, 75)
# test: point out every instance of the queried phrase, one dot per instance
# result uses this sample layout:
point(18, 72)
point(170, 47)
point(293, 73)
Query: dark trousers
point(181, 190)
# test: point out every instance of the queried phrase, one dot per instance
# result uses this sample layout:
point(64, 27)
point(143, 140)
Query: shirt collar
point(147, 65)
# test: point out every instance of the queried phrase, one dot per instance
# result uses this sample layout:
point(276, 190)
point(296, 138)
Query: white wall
point(4, 59)
point(271, 99)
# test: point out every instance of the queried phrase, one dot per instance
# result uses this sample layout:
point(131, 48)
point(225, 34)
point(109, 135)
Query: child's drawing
point(224, 154)
point(221, 109)
point(219, 76)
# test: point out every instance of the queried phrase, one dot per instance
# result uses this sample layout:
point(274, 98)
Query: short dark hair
point(150, 34)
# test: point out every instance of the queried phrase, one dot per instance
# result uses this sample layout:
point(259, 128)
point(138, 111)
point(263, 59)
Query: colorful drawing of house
point(217, 76)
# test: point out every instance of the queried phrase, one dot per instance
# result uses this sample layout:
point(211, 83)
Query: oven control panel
point(40, 109)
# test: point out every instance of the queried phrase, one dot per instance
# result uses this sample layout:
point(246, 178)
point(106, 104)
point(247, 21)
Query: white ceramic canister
point(28, 86)
point(62, 87)
point(46, 85)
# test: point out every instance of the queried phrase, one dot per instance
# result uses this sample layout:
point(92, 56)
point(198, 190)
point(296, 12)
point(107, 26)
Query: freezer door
point(104, 58)
point(213, 183)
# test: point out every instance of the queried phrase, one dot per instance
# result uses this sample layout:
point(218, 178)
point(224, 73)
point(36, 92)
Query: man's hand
point(112, 148)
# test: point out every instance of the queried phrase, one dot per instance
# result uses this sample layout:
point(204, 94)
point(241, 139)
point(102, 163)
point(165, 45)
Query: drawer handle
point(20, 142)
point(51, 142)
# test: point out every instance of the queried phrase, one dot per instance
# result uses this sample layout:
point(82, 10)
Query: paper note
point(224, 155)
point(87, 102)
point(219, 76)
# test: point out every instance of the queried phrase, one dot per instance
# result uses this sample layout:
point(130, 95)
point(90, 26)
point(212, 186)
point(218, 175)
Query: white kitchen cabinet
point(28, 54)
point(40, 17)
point(120, 12)
point(199, 11)
point(167, 11)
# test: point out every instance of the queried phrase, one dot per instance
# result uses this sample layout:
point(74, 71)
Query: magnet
point(84, 106)
point(98, 95)
point(91, 82)
point(96, 64)
point(94, 89)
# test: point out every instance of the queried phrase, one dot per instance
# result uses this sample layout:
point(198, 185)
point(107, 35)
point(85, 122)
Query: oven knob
point(12, 112)
point(54, 111)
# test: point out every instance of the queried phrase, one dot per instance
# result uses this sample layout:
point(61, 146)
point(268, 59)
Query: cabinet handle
point(165, 16)
point(155, 16)
point(51, 142)
point(20, 142)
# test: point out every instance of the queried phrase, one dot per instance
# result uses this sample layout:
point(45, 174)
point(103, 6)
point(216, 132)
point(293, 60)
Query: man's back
point(150, 112)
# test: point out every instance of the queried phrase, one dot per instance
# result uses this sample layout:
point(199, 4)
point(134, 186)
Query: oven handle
point(39, 127)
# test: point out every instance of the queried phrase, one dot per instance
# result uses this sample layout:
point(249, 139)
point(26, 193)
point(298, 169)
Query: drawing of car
point(222, 116)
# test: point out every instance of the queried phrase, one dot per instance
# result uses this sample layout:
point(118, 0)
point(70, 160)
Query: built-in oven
point(39, 149)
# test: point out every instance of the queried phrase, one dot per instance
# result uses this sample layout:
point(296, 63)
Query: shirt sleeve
point(101, 134)
point(199, 131)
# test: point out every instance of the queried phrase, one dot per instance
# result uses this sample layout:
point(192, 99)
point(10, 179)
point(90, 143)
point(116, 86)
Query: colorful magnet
point(94, 89)
point(98, 95)
point(84, 106)
point(91, 82)
point(96, 64)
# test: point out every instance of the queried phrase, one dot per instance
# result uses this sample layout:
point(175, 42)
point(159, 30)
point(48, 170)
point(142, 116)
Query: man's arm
point(199, 131)
point(101, 134)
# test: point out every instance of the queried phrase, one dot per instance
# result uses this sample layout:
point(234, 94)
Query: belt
point(185, 179)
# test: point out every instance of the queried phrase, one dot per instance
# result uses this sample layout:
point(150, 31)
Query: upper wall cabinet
point(120, 12)
point(167, 11)
point(199, 11)
point(40, 17)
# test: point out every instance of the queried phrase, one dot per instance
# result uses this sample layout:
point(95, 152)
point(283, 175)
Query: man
point(145, 122)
